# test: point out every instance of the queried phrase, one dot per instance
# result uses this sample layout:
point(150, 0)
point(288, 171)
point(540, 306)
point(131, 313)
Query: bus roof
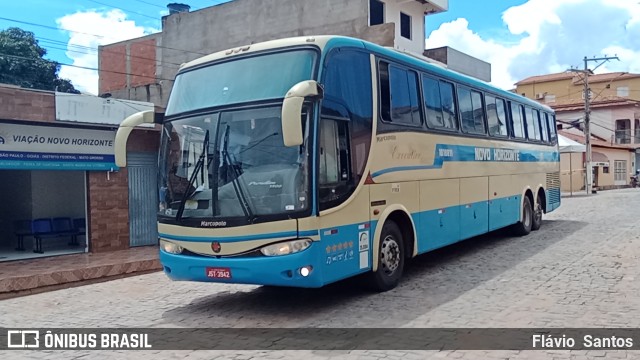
point(320, 41)
point(330, 41)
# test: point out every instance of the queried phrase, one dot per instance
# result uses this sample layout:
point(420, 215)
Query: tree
point(22, 63)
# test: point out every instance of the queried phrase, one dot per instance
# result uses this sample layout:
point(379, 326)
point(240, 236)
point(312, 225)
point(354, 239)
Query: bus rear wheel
point(537, 215)
point(523, 227)
point(391, 258)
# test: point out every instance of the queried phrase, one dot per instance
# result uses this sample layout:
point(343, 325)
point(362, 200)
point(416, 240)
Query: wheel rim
point(527, 216)
point(390, 255)
point(538, 213)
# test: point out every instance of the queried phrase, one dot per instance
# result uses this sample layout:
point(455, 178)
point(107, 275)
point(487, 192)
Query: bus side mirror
point(143, 117)
point(292, 110)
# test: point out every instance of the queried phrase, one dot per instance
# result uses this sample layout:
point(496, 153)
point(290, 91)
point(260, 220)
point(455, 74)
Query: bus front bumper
point(285, 270)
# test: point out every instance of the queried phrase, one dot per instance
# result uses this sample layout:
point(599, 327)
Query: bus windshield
point(230, 164)
point(243, 80)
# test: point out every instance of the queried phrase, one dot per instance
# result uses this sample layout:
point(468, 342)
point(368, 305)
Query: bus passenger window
point(551, 121)
point(541, 126)
point(496, 116)
point(544, 131)
point(432, 102)
point(405, 107)
point(448, 106)
point(516, 117)
point(533, 132)
point(471, 114)
point(478, 112)
point(385, 92)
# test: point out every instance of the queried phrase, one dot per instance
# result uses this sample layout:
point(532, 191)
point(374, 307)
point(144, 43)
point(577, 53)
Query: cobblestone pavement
point(579, 270)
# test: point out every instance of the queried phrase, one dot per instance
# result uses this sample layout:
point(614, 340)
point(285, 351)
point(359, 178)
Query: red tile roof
point(603, 102)
point(597, 78)
point(593, 78)
point(596, 141)
point(546, 78)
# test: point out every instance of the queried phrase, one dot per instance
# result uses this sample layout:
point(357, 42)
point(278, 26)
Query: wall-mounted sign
point(55, 148)
point(96, 110)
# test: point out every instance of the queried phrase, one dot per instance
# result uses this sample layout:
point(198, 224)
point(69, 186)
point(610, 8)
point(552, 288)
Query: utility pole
point(587, 111)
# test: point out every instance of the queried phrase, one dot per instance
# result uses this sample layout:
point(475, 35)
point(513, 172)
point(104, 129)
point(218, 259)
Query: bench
point(46, 228)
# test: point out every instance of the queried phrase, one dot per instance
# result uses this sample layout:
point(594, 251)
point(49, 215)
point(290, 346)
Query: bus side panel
point(522, 182)
point(474, 211)
point(341, 231)
point(405, 194)
point(439, 215)
point(504, 204)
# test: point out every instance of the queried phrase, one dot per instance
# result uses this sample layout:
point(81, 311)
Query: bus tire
point(391, 258)
point(537, 215)
point(523, 227)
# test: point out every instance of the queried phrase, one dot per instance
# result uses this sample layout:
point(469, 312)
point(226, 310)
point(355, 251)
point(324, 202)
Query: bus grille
point(553, 187)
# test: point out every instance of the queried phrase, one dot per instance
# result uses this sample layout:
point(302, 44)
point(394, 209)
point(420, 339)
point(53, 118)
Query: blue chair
point(62, 227)
point(22, 228)
point(41, 228)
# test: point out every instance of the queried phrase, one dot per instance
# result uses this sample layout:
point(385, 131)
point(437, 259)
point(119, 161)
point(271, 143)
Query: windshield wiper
point(259, 142)
point(199, 165)
point(242, 198)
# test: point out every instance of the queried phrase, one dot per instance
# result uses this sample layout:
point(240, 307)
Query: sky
point(520, 38)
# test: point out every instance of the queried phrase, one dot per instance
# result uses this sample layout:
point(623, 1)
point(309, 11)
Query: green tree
point(22, 63)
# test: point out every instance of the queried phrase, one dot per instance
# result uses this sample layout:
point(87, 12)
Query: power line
point(49, 27)
point(152, 4)
point(95, 51)
point(124, 10)
point(94, 35)
point(81, 67)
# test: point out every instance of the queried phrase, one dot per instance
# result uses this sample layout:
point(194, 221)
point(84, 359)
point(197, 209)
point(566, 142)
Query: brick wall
point(27, 104)
point(113, 68)
point(108, 211)
point(108, 199)
point(127, 64)
point(143, 62)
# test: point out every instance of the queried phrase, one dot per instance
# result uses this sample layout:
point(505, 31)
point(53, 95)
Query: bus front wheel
point(523, 227)
point(391, 258)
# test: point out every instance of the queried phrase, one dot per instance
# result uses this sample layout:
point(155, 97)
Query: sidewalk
point(24, 277)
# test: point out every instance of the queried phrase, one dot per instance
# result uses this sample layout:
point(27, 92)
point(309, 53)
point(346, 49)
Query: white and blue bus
point(304, 161)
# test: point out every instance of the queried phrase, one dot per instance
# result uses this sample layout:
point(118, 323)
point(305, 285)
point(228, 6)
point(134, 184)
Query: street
point(580, 269)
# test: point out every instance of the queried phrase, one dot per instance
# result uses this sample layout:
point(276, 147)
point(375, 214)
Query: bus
point(303, 161)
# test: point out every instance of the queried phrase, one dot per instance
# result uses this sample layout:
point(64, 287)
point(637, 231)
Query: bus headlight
point(286, 248)
point(170, 247)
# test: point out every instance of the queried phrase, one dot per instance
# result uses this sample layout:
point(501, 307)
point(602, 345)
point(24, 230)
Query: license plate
point(218, 273)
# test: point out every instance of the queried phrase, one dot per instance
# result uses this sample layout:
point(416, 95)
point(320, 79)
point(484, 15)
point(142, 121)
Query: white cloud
point(110, 26)
point(553, 36)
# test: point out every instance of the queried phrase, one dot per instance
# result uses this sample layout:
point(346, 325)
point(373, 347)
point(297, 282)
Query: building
point(612, 163)
point(568, 87)
point(144, 68)
point(461, 62)
point(614, 106)
point(57, 162)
